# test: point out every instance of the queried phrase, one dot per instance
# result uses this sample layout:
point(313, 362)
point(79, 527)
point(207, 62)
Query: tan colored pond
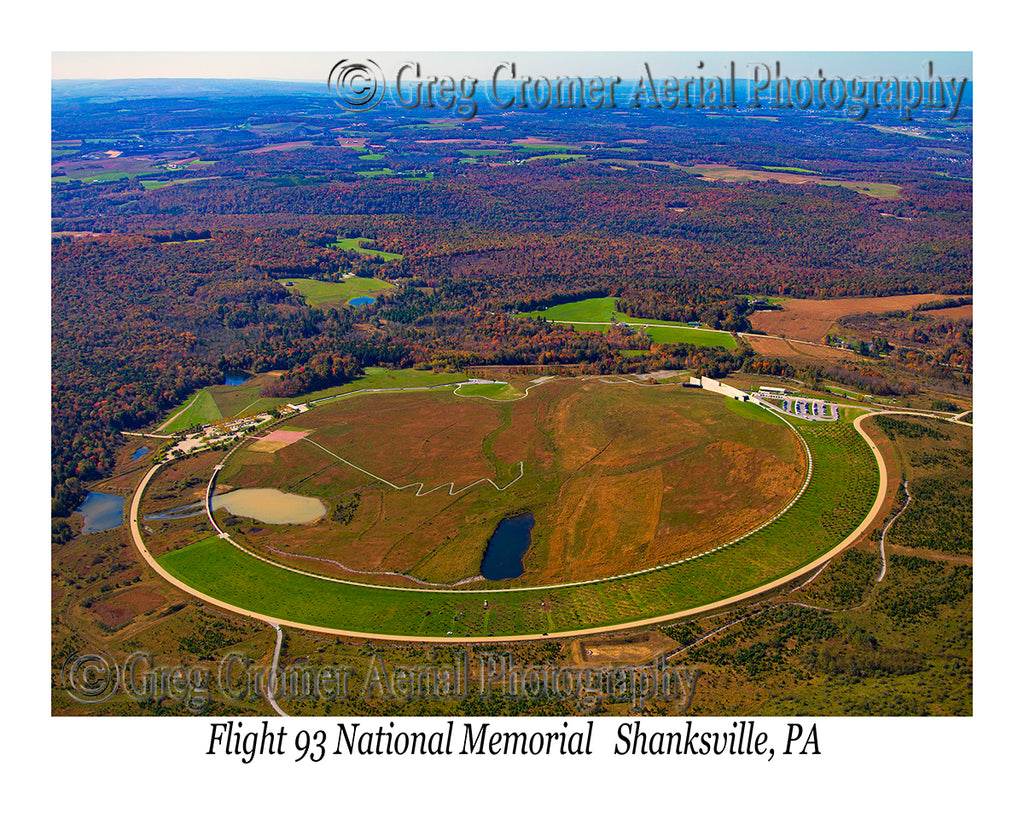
point(271, 506)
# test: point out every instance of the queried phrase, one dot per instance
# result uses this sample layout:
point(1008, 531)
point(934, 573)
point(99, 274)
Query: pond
point(359, 302)
point(101, 512)
point(503, 559)
point(138, 453)
point(234, 378)
point(271, 506)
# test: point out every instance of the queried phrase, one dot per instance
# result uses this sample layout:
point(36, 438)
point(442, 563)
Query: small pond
point(101, 512)
point(508, 545)
point(234, 378)
point(138, 453)
point(359, 302)
point(271, 506)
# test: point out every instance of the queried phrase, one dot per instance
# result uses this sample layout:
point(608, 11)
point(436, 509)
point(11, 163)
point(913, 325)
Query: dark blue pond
point(503, 559)
point(138, 453)
point(101, 512)
point(359, 302)
point(233, 378)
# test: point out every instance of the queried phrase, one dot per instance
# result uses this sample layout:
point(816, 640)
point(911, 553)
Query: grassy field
point(156, 184)
point(936, 458)
point(727, 173)
point(791, 170)
point(497, 392)
point(837, 498)
point(550, 147)
point(585, 315)
point(198, 409)
point(357, 243)
point(317, 292)
point(245, 398)
point(107, 176)
point(561, 157)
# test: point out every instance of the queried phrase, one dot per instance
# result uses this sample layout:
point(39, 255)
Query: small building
point(773, 390)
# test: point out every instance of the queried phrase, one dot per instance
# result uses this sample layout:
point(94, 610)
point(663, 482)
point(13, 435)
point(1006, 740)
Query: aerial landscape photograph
point(657, 376)
point(423, 392)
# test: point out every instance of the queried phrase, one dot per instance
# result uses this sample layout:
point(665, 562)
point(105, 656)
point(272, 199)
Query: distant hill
point(110, 90)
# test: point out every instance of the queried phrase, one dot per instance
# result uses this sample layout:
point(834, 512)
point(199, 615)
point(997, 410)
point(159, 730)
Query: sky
point(313, 66)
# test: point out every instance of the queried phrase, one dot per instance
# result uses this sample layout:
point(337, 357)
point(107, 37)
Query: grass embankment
point(838, 497)
point(597, 315)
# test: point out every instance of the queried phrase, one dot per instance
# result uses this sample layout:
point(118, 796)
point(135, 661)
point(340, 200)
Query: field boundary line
point(419, 492)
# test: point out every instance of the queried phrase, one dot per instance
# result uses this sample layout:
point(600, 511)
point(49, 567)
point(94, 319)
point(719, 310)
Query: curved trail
point(885, 530)
point(272, 679)
point(379, 573)
point(797, 574)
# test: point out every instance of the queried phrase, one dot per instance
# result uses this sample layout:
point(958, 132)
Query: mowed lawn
point(316, 292)
point(589, 314)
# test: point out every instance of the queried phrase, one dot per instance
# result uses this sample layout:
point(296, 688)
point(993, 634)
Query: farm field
point(792, 176)
point(801, 354)
point(586, 315)
point(812, 320)
point(316, 292)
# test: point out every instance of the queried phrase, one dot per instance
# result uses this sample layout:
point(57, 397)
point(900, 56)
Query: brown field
point(117, 610)
point(731, 174)
point(796, 352)
point(618, 477)
point(635, 649)
point(280, 146)
point(965, 311)
point(278, 439)
point(812, 319)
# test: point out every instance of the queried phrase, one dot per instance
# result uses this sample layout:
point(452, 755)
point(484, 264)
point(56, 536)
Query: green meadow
point(316, 292)
point(357, 243)
point(588, 314)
